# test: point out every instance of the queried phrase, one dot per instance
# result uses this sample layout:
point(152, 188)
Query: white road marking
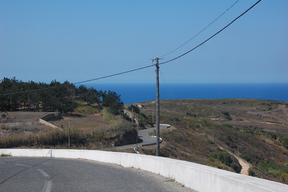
point(48, 183)
point(44, 173)
point(23, 165)
point(47, 186)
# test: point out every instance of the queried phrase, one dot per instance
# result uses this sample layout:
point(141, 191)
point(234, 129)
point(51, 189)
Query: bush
point(251, 158)
point(134, 108)
point(226, 159)
point(227, 125)
point(273, 168)
point(164, 152)
point(284, 141)
point(227, 115)
point(271, 135)
point(223, 157)
point(251, 172)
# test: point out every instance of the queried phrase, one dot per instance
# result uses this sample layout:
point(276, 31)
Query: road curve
point(144, 137)
point(53, 174)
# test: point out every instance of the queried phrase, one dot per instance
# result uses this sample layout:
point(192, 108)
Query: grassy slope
point(200, 122)
point(199, 129)
point(90, 128)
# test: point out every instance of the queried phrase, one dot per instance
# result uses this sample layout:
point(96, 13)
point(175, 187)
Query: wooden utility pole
point(157, 109)
point(69, 145)
point(137, 138)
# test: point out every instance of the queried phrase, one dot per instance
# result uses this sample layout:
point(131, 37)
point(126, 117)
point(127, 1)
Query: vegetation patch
point(227, 125)
point(52, 137)
point(227, 159)
point(4, 155)
point(274, 169)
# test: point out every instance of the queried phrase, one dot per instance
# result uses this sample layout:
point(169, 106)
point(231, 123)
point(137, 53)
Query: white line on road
point(48, 183)
point(23, 165)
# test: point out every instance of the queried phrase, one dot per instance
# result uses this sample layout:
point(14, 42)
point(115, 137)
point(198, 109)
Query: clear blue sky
point(79, 40)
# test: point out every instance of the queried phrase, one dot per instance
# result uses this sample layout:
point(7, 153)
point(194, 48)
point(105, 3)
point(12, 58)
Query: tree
point(112, 100)
point(9, 102)
point(90, 95)
point(55, 96)
point(134, 108)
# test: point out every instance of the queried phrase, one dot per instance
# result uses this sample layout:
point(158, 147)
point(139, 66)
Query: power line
point(85, 81)
point(212, 35)
point(201, 30)
point(115, 74)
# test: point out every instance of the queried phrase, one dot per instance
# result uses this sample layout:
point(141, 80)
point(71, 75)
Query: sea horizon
point(141, 92)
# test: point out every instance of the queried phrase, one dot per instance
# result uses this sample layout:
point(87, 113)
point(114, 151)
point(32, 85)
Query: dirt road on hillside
point(244, 164)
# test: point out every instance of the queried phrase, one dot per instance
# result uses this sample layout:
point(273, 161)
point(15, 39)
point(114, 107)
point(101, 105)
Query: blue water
point(133, 93)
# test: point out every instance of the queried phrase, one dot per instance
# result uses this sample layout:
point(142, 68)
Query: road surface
point(144, 136)
point(53, 174)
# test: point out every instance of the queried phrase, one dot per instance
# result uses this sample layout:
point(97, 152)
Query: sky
point(76, 41)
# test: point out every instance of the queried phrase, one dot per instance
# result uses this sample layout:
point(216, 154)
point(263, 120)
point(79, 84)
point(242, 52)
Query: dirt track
point(244, 164)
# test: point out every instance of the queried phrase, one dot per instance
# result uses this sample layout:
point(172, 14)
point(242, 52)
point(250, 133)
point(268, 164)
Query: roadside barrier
point(195, 176)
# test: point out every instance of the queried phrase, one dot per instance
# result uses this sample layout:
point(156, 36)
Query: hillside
point(256, 130)
point(209, 132)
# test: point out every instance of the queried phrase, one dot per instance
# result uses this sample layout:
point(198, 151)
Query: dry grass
point(52, 137)
point(202, 125)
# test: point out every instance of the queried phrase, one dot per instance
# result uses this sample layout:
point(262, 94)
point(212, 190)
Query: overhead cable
point(212, 35)
point(115, 74)
point(201, 30)
point(85, 81)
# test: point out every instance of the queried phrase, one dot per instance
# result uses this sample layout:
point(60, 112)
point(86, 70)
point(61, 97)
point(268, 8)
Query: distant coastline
point(133, 93)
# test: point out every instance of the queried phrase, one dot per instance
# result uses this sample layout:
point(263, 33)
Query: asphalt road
point(53, 174)
point(144, 136)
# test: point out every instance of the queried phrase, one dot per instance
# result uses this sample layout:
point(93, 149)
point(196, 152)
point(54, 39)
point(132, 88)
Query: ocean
point(133, 93)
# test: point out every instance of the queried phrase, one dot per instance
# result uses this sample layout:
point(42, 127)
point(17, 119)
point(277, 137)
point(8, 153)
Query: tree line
point(62, 97)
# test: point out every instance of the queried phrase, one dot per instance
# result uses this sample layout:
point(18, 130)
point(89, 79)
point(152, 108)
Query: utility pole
point(157, 109)
point(137, 131)
point(69, 145)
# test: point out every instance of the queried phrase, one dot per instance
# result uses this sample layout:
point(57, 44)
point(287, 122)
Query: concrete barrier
point(195, 176)
point(47, 123)
point(44, 120)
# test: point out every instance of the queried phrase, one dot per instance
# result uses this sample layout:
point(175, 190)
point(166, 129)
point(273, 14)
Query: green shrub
point(227, 125)
point(271, 135)
point(226, 159)
point(223, 157)
point(251, 158)
point(284, 141)
point(273, 168)
point(134, 108)
point(251, 172)
point(227, 115)
point(164, 152)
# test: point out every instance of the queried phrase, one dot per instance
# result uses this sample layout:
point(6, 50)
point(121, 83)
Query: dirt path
point(244, 164)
